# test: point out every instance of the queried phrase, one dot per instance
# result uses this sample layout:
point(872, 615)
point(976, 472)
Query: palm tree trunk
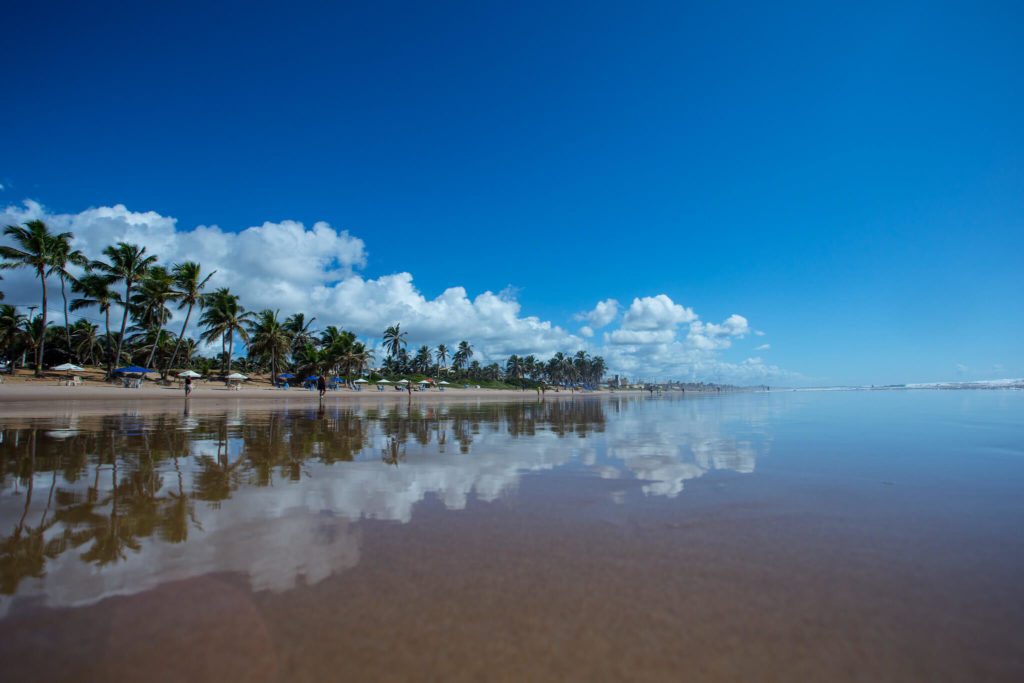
point(178, 344)
point(110, 365)
point(42, 335)
point(156, 342)
point(67, 325)
point(231, 347)
point(124, 322)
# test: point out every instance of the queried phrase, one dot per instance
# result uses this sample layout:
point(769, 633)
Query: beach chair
point(75, 381)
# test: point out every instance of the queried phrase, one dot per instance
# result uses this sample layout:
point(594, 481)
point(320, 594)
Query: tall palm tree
point(394, 339)
point(442, 355)
point(421, 362)
point(269, 339)
point(98, 290)
point(189, 283)
point(150, 305)
point(223, 318)
point(300, 329)
point(128, 263)
point(63, 257)
point(462, 355)
point(35, 250)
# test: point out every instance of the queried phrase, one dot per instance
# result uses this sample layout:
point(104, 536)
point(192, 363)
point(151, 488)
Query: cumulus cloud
point(656, 313)
point(763, 347)
point(291, 267)
point(603, 313)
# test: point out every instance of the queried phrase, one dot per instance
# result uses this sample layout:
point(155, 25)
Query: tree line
point(129, 278)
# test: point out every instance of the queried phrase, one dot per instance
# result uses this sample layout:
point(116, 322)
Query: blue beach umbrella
point(312, 378)
point(286, 375)
point(132, 370)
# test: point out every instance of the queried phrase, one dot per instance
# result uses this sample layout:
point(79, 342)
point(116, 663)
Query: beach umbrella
point(131, 370)
point(312, 378)
point(67, 366)
point(189, 373)
point(424, 381)
point(443, 382)
point(360, 381)
point(237, 376)
point(286, 375)
point(383, 381)
point(403, 381)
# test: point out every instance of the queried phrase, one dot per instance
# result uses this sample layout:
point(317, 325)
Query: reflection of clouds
point(670, 442)
point(283, 530)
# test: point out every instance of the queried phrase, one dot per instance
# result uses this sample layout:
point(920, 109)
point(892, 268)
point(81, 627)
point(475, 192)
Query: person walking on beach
point(188, 387)
point(321, 386)
point(408, 387)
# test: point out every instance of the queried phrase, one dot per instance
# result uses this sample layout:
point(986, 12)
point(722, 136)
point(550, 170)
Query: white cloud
point(759, 333)
point(603, 313)
point(587, 331)
point(656, 313)
point(763, 347)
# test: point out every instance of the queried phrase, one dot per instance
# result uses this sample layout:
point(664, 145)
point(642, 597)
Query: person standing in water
point(321, 385)
point(188, 386)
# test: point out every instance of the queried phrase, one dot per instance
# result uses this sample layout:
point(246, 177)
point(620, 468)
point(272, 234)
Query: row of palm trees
point(561, 369)
point(129, 278)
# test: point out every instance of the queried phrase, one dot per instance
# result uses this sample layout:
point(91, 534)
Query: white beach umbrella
point(443, 382)
point(383, 381)
point(189, 373)
point(69, 367)
point(360, 381)
point(237, 376)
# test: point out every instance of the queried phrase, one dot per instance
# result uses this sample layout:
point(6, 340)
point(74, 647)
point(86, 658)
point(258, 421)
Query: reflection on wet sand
point(93, 506)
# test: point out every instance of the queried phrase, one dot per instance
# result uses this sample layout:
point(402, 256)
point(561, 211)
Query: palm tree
point(301, 331)
point(421, 362)
point(128, 263)
point(269, 339)
point(64, 256)
point(189, 284)
point(150, 303)
point(442, 355)
point(394, 339)
point(10, 326)
point(98, 290)
point(35, 250)
point(462, 355)
point(223, 318)
point(86, 342)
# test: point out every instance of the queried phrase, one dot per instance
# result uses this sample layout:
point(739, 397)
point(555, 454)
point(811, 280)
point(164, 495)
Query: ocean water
point(789, 535)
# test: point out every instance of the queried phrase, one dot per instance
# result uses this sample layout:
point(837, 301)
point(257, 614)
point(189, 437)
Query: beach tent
point(131, 370)
point(189, 373)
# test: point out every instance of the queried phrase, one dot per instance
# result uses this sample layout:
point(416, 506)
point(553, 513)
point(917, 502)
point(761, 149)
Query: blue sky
point(847, 179)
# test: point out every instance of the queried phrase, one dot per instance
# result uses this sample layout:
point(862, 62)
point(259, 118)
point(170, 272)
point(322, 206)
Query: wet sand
point(884, 549)
point(733, 591)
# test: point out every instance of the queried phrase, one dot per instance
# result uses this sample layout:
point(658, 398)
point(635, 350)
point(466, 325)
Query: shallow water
point(847, 535)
